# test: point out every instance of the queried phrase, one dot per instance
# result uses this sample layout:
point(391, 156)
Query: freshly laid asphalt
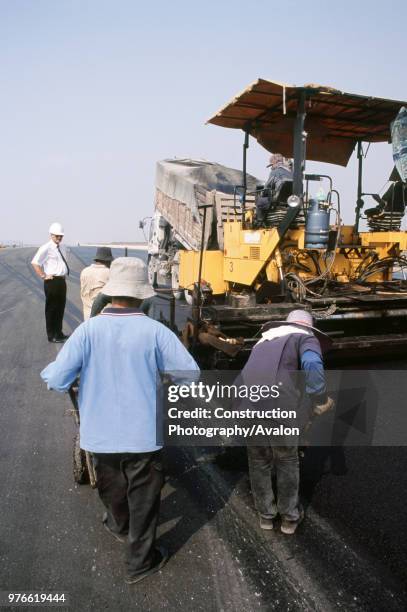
point(349, 554)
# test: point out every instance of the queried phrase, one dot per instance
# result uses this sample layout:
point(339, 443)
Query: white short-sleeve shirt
point(50, 259)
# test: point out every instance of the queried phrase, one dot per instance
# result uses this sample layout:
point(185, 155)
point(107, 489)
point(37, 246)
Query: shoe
point(56, 340)
point(62, 337)
point(117, 536)
point(163, 556)
point(266, 522)
point(290, 527)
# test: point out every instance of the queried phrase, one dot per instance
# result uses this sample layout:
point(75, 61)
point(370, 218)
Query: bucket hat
point(103, 254)
point(303, 319)
point(128, 278)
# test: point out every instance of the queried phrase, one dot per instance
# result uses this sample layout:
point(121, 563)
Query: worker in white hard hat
point(51, 266)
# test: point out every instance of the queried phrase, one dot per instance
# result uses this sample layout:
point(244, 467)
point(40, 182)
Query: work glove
point(320, 409)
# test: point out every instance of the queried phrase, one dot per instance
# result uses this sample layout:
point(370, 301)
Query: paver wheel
point(80, 468)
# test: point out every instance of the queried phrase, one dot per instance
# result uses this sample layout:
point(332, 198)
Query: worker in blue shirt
point(117, 356)
point(284, 348)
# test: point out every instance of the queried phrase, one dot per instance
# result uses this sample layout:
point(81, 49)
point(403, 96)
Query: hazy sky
point(93, 93)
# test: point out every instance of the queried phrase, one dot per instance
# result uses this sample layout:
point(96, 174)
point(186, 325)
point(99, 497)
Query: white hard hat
point(56, 229)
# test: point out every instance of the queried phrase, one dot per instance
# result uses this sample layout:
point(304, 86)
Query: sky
point(94, 92)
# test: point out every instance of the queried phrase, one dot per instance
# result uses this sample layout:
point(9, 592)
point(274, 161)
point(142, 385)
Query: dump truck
point(238, 273)
point(186, 190)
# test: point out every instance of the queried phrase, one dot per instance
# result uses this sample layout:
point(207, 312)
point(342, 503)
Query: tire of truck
point(151, 268)
point(176, 291)
point(80, 468)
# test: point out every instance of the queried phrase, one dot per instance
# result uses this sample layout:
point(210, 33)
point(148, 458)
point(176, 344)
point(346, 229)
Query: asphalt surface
point(350, 553)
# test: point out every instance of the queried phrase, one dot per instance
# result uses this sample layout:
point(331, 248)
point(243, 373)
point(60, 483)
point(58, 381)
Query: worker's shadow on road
point(189, 502)
point(352, 424)
point(317, 462)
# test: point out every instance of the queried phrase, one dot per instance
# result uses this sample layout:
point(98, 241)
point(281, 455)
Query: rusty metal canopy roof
point(335, 120)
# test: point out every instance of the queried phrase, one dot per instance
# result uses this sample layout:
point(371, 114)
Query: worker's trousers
point(129, 486)
point(55, 299)
point(281, 461)
point(263, 204)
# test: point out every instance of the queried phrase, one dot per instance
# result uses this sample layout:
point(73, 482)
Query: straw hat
point(303, 319)
point(128, 278)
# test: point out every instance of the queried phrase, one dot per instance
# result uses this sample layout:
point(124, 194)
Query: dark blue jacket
point(294, 362)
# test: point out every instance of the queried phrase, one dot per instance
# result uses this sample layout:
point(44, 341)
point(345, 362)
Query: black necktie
point(64, 260)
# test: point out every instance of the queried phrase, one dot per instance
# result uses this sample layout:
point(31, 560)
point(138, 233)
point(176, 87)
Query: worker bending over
point(284, 346)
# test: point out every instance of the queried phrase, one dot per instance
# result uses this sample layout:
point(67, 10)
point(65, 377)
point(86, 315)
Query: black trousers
point(129, 485)
point(55, 299)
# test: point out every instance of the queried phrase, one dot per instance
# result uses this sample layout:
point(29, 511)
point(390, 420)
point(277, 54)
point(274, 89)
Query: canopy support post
point(359, 201)
point(244, 172)
point(300, 137)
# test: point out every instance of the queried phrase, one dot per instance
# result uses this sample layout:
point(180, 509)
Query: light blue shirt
point(118, 355)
